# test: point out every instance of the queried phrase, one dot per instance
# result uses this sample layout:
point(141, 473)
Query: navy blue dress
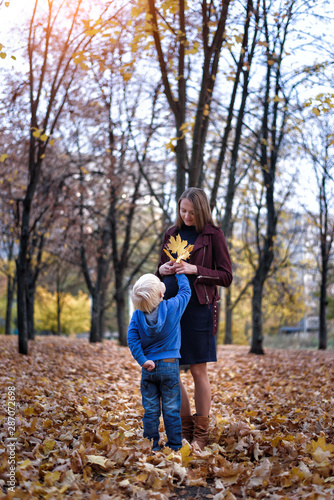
point(198, 345)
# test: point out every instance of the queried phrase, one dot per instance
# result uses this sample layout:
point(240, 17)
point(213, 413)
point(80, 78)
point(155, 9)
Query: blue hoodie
point(163, 339)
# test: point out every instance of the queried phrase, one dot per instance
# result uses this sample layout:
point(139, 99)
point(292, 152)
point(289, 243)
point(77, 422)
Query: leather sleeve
point(222, 273)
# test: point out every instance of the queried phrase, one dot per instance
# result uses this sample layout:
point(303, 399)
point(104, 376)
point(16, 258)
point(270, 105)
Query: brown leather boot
point(187, 427)
point(201, 431)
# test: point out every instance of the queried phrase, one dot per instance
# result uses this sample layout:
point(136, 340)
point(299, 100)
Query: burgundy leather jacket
point(211, 256)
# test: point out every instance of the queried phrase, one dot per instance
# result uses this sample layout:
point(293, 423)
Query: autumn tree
point(173, 26)
point(7, 265)
point(265, 26)
point(318, 141)
point(49, 198)
point(51, 45)
point(284, 296)
point(12, 182)
point(232, 138)
point(277, 108)
point(65, 311)
point(8, 239)
point(118, 218)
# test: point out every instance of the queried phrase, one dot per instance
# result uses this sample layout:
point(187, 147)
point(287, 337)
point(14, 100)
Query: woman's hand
point(167, 268)
point(185, 268)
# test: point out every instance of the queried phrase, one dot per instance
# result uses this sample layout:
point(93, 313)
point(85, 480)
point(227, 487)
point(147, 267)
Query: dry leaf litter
point(78, 426)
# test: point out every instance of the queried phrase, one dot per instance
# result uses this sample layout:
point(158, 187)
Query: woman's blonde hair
point(202, 210)
point(146, 293)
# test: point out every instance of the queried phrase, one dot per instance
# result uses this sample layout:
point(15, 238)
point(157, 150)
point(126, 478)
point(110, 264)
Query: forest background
point(109, 110)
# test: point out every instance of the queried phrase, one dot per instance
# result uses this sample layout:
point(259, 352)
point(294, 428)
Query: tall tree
point(170, 26)
point(120, 175)
point(51, 45)
point(318, 144)
point(277, 95)
point(241, 78)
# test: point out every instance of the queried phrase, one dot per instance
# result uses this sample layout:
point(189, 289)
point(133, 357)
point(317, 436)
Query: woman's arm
point(222, 273)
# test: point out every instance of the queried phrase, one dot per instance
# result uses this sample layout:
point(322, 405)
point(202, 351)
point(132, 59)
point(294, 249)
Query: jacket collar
point(208, 229)
point(203, 238)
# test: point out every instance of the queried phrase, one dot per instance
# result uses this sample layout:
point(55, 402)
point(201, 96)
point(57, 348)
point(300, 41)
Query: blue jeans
point(160, 389)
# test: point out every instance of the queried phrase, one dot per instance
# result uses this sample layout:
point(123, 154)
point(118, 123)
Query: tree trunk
point(59, 304)
point(22, 271)
point(58, 312)
point(94, 334)
point(257, 337)
point(98, 317)
point(30, 298)
point(102, 319)
point(180, 167)
point(22, 264)
point(121, 320)
point(323, 307)
point(10, 295)
point(228, 317)
point(21, 306)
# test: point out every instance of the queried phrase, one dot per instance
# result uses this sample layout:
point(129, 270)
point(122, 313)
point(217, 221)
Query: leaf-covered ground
point(78, 426)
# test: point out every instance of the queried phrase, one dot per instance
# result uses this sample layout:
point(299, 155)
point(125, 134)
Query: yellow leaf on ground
point(48, 446)
point(24, 464)
point(51, 477)
point(320, 443)
point(97, 460)
point(185, 454)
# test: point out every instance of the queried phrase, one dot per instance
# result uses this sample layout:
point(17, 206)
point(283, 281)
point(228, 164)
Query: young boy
point(154, 338)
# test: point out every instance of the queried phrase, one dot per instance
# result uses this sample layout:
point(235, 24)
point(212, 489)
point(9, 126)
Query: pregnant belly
point(172, 287)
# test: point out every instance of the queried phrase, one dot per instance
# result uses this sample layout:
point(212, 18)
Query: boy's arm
point(184, 293)
point(149, 365)
point(134, 343)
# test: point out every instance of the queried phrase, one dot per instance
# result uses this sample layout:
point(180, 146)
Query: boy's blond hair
point(146, 293)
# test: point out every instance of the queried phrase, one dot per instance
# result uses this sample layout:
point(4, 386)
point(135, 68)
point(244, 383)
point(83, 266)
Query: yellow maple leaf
point(319, 450)
point(169, 255)
point(185, 255)
point(322, 444)
point(185, 454)
point(178, 247)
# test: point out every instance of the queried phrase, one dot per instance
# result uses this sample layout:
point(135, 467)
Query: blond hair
point(146, 293)
point(201, 205)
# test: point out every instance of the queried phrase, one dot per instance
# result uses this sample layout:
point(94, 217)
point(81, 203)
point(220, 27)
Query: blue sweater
point(163, 339)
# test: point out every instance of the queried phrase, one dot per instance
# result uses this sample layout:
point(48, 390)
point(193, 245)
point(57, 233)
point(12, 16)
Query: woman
point(209, 265)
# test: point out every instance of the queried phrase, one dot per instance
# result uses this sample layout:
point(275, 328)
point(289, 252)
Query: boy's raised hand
point(149, 365)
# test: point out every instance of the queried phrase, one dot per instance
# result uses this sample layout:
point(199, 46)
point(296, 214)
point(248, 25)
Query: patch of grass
point(296, 341)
